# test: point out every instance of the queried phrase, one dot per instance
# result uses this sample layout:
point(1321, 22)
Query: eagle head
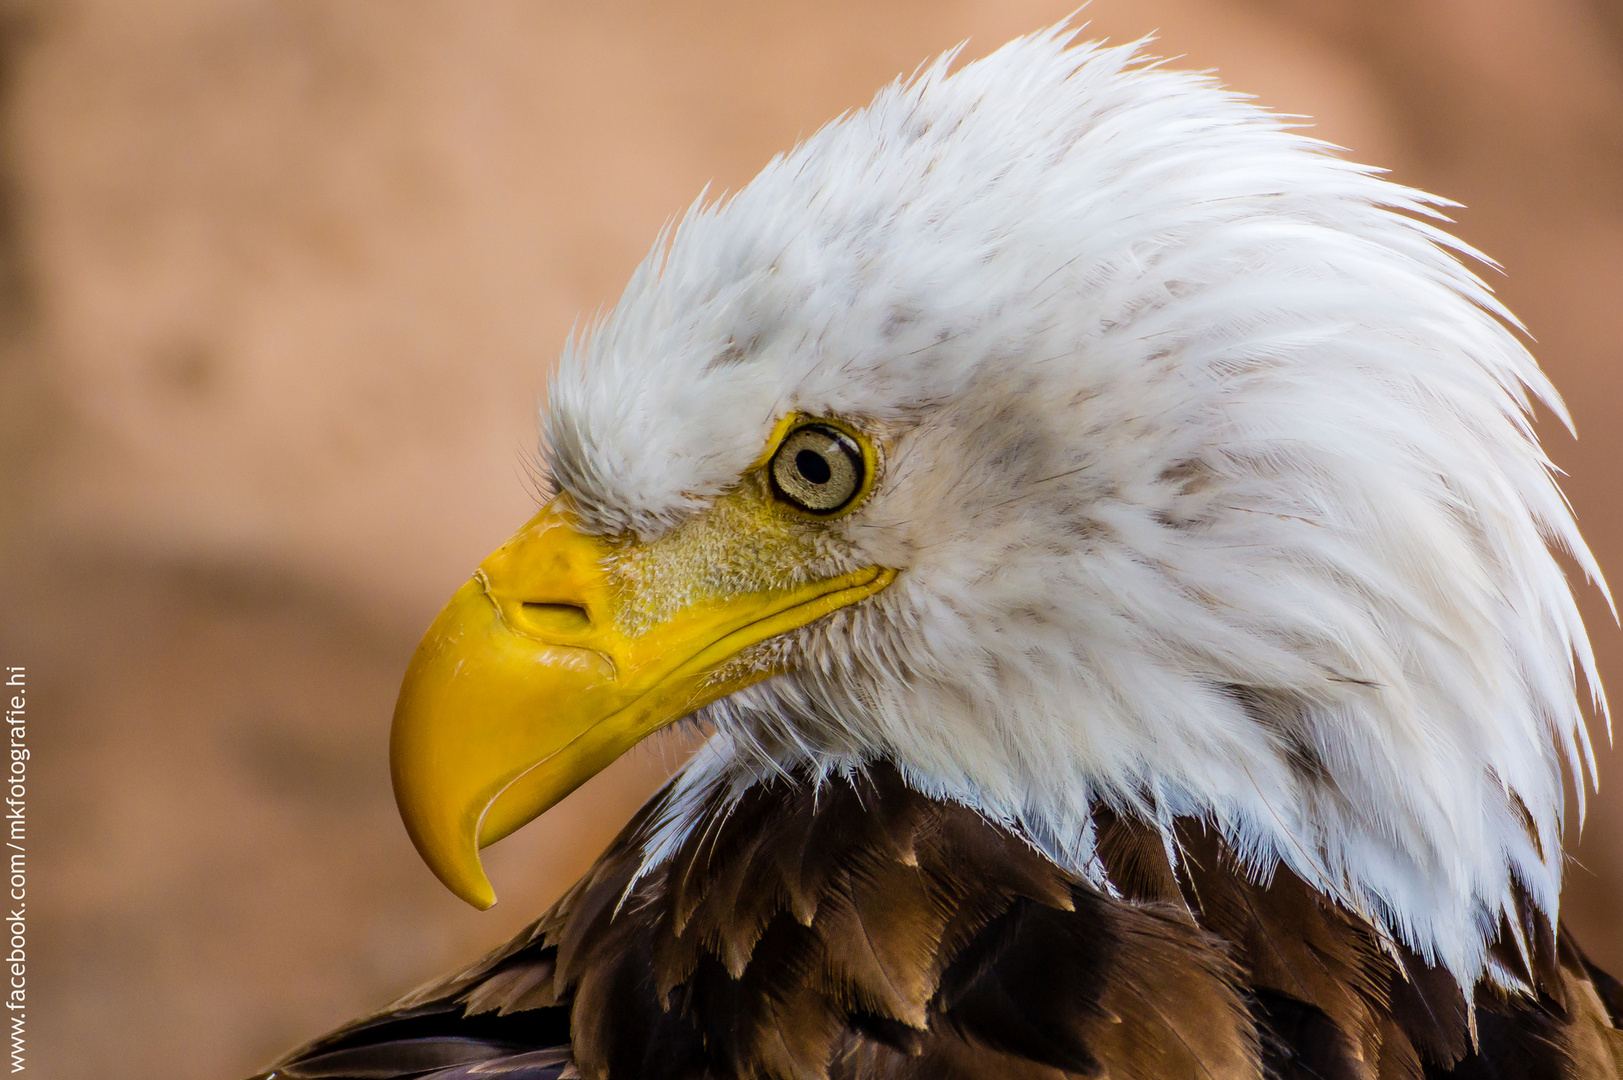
point(1065, 431)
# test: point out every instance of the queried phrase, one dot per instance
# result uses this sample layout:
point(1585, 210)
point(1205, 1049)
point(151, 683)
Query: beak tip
point(473, 889)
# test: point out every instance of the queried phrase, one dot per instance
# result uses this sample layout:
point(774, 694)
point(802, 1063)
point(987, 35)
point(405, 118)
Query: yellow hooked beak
point(533, 679)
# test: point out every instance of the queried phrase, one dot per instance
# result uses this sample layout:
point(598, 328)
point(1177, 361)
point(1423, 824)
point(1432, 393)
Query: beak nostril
point(555, 618)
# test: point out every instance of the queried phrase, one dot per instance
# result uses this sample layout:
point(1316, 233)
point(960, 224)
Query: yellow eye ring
point(819, 466)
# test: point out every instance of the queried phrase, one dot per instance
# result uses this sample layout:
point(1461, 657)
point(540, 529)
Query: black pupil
point(813, 466)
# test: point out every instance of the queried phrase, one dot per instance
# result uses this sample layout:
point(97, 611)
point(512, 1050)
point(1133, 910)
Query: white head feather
point(1208, 471)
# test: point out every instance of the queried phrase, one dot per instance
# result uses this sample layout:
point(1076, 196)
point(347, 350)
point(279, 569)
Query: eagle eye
point(818, 468)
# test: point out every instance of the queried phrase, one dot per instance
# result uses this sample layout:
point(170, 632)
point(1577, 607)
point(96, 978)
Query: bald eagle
point(1101, 534)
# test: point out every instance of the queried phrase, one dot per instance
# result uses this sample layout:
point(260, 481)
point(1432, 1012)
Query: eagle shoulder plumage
point(1103, 534)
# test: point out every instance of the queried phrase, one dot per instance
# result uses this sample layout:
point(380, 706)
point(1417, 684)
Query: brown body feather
point(861, 930)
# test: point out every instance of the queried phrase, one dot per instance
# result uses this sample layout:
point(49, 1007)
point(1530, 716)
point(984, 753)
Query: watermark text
point(16, 833)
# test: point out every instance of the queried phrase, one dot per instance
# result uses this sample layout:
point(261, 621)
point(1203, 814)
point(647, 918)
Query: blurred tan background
point(279, 286)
